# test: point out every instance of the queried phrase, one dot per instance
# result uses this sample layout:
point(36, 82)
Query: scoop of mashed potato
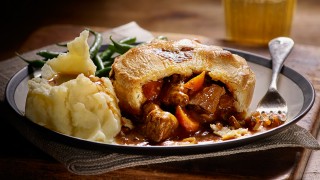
point(68, 98)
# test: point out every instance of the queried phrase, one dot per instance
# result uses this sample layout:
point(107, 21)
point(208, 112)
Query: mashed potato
point(68, 98)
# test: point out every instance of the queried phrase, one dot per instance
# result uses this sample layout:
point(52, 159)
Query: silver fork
point(272, 101)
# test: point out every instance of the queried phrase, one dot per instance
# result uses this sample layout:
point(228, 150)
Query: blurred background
point(202, 17)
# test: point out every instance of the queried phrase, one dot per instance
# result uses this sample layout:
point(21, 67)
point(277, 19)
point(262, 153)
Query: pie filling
point(180, 108)
point(192, 110)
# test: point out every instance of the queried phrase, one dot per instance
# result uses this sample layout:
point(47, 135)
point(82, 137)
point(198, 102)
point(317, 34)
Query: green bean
point(103, 72)
point(103, 60)
point(98, 62)
point(62, 44)
point(112, 48)
point(109, 62)
point(128, 40)
point(106, 55)
point(48, 54)
point(120, 47)
point(94, 48)
point(36, 63)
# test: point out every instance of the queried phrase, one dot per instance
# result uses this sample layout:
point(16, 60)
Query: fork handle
point(279, 49)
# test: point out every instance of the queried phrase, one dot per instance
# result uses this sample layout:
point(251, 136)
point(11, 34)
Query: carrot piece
point(185, 121)
point(196, 82)
point(151, 90)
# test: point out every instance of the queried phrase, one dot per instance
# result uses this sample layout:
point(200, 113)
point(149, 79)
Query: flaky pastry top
point(159, 59)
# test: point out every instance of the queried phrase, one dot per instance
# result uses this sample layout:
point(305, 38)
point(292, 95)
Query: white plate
point(296, 90)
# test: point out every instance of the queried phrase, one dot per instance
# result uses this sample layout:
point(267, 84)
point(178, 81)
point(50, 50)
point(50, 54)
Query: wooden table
point(20, 158)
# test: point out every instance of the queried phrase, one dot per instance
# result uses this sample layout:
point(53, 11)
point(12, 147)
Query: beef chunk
point(158, 124)
point(208, 98)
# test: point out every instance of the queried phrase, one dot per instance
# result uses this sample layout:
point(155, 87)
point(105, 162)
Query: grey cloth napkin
point(84, 161)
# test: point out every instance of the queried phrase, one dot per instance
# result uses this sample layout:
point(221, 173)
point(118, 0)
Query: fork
point(272, 102)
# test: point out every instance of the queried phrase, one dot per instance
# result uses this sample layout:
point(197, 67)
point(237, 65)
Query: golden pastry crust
point(159, 59)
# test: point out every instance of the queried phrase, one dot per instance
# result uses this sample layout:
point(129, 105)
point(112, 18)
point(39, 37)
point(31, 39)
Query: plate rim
point(298, 78)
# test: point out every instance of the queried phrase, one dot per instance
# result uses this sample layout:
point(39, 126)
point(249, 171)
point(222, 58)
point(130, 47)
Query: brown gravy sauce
point(203, 136)
point(180, 137)
point(58, 79)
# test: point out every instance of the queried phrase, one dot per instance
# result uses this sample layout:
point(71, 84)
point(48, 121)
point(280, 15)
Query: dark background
point(19, 18)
